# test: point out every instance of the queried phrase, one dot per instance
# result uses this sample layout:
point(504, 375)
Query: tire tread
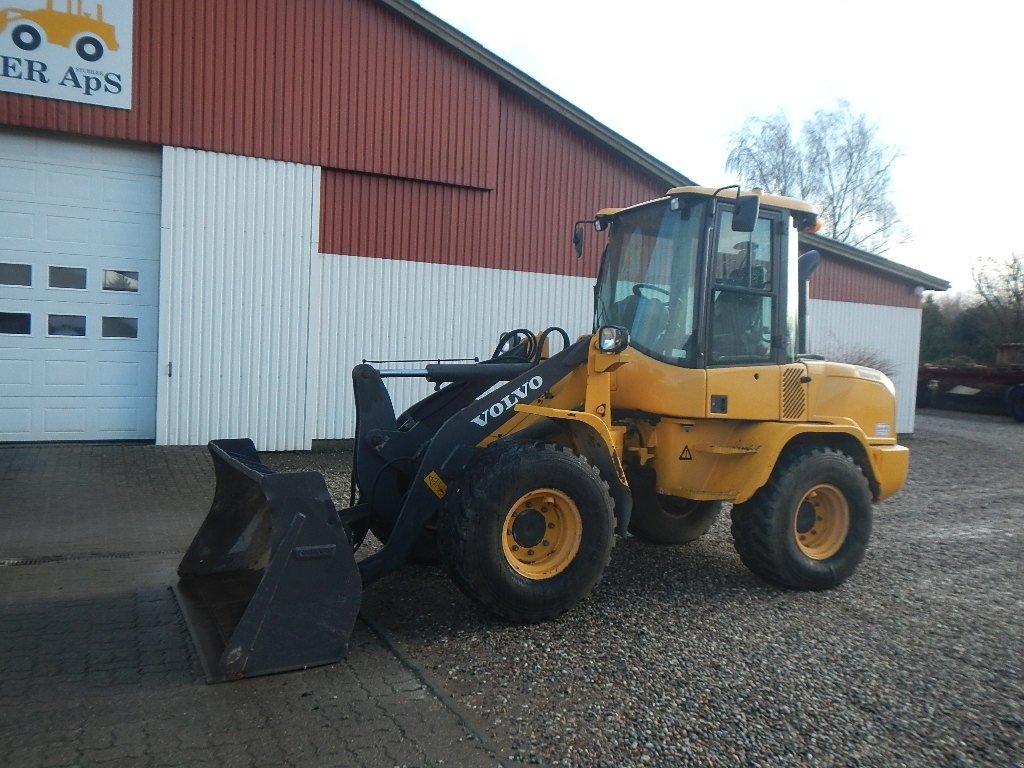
point(456, 528)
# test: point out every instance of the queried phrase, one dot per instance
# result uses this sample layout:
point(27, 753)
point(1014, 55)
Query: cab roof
point(773, 201)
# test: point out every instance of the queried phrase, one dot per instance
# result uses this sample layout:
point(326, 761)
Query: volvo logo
point(508, 401)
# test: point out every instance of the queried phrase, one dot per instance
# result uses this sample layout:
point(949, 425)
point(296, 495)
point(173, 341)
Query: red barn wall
point(842, 280)
point(426, 156)
point(336, 83)
point(549, 176)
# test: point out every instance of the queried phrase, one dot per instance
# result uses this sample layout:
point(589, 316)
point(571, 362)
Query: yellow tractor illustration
point(90, 37)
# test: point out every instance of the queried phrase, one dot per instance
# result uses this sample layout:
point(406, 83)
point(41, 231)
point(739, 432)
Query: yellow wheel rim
point(821, 522)
point(541, 534)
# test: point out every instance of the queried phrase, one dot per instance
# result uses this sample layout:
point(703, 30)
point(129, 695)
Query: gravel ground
point(683, 657)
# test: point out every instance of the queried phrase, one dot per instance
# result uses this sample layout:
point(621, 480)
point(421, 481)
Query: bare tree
point(765, 155)
point(1000, 284)
point(838, 163)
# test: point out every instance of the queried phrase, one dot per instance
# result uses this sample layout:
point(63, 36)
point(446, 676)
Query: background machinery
point(519, 471)
point(998, 388)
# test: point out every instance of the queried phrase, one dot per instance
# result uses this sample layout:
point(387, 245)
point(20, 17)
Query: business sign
point(73, 50)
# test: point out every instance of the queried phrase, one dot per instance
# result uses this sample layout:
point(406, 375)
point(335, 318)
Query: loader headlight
point(612, 338)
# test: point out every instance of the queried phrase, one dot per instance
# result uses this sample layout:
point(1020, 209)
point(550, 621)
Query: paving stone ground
point(98, 668)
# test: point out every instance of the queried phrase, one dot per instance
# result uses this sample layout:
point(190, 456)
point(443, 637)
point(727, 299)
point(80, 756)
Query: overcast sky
point(942, 81)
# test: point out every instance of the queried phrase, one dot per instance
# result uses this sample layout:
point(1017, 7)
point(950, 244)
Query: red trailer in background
point(976, 387)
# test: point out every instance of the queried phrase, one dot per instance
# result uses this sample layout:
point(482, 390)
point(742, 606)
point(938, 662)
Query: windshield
point(648, 279)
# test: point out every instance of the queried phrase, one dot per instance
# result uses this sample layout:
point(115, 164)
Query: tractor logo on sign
point(64, 50)
point(88, 36)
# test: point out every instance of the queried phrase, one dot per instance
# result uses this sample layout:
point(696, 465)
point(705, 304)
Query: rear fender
point(884, 466)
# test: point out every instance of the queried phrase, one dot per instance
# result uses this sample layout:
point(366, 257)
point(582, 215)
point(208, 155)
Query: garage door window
point(119, 280)
point(15, 274)
point(66, 325)
point(120, 327)
point(67, 277)
point(19, 323)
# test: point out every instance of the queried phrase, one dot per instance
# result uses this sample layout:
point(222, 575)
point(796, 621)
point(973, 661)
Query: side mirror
point(807, 263)
point(744, 217)
point(577, 241)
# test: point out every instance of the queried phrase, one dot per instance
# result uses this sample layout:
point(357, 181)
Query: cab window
point(648, 282)
point(743, 296)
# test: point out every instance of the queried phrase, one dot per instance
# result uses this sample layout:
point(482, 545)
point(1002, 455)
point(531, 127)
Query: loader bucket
point(269, 583)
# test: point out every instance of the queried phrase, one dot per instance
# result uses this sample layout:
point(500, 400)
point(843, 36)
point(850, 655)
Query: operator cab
point(703, 278)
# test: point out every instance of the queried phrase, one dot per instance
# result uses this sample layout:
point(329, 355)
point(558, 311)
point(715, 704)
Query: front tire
point(26, 37)
point(808, 528)
point(662, 519)
point(531, 531)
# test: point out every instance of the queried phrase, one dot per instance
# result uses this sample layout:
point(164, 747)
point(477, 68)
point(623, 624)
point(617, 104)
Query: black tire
point(26, 37)
point(1015, 403)
point(925, 396)
point(662, 519)
point(808, 528)
point(546, 503)
point(89, 48)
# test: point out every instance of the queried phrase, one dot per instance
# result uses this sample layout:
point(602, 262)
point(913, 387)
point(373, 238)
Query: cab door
point(745, 321)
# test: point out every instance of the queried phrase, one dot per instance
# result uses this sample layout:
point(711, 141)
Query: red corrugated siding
point(840, 280)
point(548, 177)
point(337, 83)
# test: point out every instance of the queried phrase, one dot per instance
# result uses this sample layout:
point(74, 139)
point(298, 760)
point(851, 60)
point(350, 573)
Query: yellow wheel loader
point(519, 471)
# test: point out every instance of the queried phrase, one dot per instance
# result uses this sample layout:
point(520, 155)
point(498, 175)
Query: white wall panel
point(238, 240)
point(381, 309)
point(851, 332)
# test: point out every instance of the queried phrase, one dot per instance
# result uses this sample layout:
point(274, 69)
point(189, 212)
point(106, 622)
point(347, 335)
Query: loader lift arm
point(270, 582)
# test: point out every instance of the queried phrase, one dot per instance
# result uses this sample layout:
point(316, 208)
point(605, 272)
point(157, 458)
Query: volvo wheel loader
point(519, 471)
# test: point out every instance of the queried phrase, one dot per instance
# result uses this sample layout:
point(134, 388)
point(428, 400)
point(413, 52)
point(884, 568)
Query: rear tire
point(89, 48)
point(808, 528)
point(662, 519)
point(530, 532)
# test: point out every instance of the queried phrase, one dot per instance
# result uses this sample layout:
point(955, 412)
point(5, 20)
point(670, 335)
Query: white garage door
point(79, 270)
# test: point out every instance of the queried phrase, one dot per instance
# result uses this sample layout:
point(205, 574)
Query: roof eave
point(864, 258)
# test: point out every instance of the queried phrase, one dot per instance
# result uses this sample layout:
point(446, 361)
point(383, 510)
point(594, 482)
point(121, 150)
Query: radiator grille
point(794, 398)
